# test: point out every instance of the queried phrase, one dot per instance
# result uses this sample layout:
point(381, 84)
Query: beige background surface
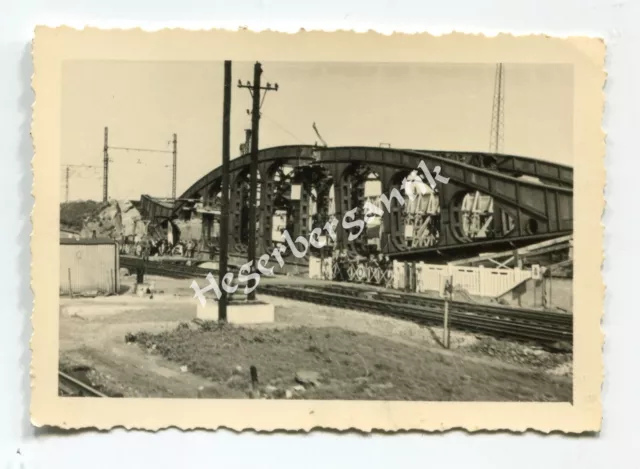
point(55, 46)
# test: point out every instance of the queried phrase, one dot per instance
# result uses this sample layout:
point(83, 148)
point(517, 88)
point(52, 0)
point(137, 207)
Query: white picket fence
point(479, 281)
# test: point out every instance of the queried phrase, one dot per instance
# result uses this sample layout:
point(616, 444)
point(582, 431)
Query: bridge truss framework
point(489, 203)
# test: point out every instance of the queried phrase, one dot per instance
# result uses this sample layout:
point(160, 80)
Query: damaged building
point(152, 219)
point(194, 222)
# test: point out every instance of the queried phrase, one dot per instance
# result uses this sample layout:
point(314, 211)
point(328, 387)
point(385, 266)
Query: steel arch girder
point(550, 206)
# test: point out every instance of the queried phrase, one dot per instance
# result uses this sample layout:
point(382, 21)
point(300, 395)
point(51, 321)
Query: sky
point(408, 105)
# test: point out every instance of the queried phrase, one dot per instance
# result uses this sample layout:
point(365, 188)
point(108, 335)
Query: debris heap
point(118, 220)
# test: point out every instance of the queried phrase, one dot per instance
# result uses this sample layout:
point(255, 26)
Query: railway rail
point(518, 323)
point(70, 386)
point(166, 269)
point(509, 322)
point(564, 320)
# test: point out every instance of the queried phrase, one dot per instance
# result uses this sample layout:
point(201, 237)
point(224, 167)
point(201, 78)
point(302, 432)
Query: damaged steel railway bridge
point(491, 201)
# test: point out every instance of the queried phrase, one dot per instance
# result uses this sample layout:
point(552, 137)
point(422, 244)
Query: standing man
point(212, 250)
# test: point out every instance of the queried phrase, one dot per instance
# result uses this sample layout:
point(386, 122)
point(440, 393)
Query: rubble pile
point(117, 220)
point(131, 220)
point(519, 354)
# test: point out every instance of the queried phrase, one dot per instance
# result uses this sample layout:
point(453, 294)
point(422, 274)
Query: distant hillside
point(72, 214)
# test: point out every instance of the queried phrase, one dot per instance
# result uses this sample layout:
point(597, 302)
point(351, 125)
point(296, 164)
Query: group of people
point(148, 247)
point(187, 249)
point(342, 262)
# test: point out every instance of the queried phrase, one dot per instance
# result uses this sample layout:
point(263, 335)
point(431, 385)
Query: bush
point(73, 214)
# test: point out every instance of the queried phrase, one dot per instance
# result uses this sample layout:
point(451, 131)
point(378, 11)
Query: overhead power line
point(281, 127)
point(140, 149)
point(174, 152)
point(73, 170)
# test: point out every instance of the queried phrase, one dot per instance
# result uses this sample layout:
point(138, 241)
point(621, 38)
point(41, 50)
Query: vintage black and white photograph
point(380, 235)
point(275, 230)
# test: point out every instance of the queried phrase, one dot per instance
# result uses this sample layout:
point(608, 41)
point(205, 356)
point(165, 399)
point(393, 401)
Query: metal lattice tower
point(496, 139)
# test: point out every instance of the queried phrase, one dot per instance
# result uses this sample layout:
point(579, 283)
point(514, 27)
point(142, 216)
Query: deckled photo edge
point(52, 410)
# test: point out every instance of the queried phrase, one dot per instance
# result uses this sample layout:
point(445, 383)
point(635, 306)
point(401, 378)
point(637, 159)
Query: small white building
point(89, 266)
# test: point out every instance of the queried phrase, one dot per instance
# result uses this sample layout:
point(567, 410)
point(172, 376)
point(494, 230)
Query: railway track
point(166, 269)
point(518, 323)
point(70, 386)
point(507, 322)
point(562, 320)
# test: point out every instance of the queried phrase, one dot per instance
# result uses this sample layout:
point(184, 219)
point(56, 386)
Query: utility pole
point(175, 165)
point(224, 210)
point(255, 127)
point(67, 185)
point(448, 296)
point(105, 181)
point(496, 138)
